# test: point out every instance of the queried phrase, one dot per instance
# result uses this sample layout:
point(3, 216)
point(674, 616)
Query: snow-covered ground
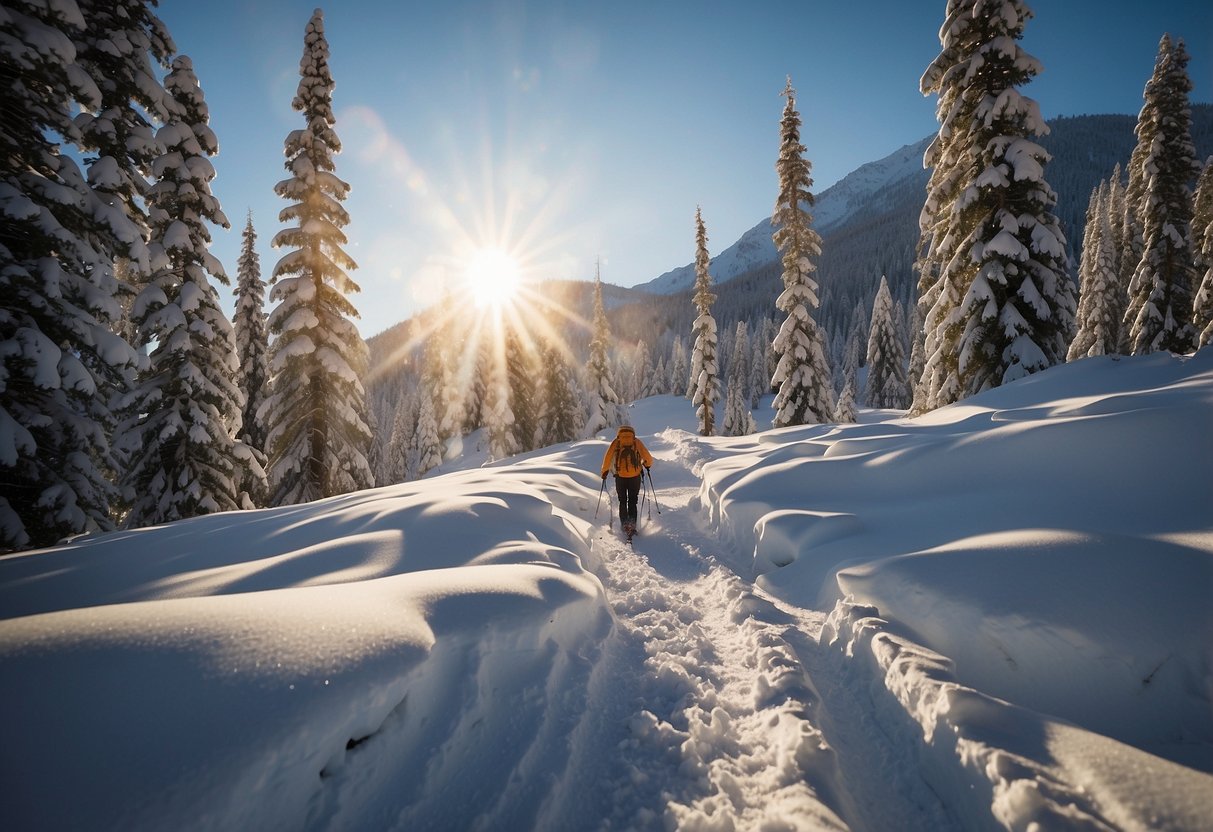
point(995, 615)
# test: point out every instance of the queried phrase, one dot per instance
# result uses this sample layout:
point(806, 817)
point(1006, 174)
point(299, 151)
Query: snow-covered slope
point(997, 615)
point(862, 188)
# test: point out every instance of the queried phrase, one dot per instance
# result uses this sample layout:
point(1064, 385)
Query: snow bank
point(1047, 544)
point(341, 663)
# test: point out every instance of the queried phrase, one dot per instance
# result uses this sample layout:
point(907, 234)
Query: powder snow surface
point(996, 615)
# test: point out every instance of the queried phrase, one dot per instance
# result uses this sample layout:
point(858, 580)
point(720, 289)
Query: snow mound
point(337, 664)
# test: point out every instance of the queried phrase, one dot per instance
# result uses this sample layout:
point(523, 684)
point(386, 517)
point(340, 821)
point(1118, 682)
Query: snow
point(996, 615)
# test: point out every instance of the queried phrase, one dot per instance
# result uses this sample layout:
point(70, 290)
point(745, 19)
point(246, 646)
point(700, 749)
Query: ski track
point(705, 694)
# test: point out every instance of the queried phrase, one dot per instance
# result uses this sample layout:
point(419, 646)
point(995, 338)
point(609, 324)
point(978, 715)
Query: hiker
point(625, 456)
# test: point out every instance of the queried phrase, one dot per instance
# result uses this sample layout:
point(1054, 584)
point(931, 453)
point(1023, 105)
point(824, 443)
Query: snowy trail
point(703, 715)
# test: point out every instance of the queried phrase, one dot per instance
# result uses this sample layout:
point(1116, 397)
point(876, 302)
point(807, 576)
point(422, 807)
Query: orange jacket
point(626, 454)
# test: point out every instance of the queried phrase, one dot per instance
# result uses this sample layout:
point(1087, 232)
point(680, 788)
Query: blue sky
point(565, 132)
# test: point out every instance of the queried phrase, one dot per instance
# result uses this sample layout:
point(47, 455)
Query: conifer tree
point(252, 350)
point(59, 355)
point(498, 416)
point(679, 367)
point(1001, 302)
point(1159, 311)
point(603, 402)
point(1202, 241)
point(844, 409)
point(562, 419)
point(318, 436)
point(738, 421)
point(123, 46)
point(429, 445)
point(703, 356)
point(1099, 304)
point(186, 407)
point(886, 384)
point(404, 426)
point(802, 375)
point(520, 373)
point(659, 381)
point(760, 378)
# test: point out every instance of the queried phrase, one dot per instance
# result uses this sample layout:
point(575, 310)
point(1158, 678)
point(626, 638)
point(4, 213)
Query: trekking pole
point(601, 488)
point(644, 496)
point(654, 487)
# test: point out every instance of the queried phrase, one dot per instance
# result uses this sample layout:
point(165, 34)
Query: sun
point(493, 277)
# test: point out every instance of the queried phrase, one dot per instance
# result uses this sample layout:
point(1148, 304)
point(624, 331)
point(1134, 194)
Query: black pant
point(628, 489)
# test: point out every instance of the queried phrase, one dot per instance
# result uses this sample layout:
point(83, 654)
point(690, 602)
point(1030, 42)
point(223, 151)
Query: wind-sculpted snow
point(1048, 543)
point(300, 667)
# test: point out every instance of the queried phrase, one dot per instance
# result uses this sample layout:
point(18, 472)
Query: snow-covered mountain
point(995, 616)
point(863, 189)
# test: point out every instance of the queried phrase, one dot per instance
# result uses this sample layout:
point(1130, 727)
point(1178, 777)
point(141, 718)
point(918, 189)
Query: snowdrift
point(240, 671)
point(1026, 575)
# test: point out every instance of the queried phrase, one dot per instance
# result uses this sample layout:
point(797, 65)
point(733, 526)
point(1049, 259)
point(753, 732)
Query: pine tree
point(318, 436)
point(603, 402)
point(1002, 304)
point(679, 367)
point(738, 421)
point(1202, 242)
point(562, 416)
point(760, 378)
point(429, 445)
point(252, 350)
point(123, 46)
point(703, 356)
point(498, 416)
point(844, 410)
point(886, 384)
point(404, 426)
point(59, 355)
point(1159, 311)
point(1099, 297)
point(802, 375)
point(520, 373)
point(185, 408)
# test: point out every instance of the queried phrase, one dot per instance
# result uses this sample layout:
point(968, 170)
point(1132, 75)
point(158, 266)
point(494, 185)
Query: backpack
point(627, 458)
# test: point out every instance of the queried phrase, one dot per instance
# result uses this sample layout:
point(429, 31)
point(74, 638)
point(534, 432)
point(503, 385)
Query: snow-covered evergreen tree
point(642, 371)
point(183, 459)
point(802, 375)
point(1202, 240)
point(886, 384)
point(521, 373)
point(1099, 304)
point(603, 402)
point(429, 445)
point(844, 409)
point(995, 272)
point(738, 421)
point(318, 435)
point(680, 368)
point(1159, 311)
point(124, 47)
point(760, 379)
point(498, 415)
point(396, 458)
point(562, 419)
point(59, 355)
point(252, 349)
point(659, 382)
point(703, 355)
